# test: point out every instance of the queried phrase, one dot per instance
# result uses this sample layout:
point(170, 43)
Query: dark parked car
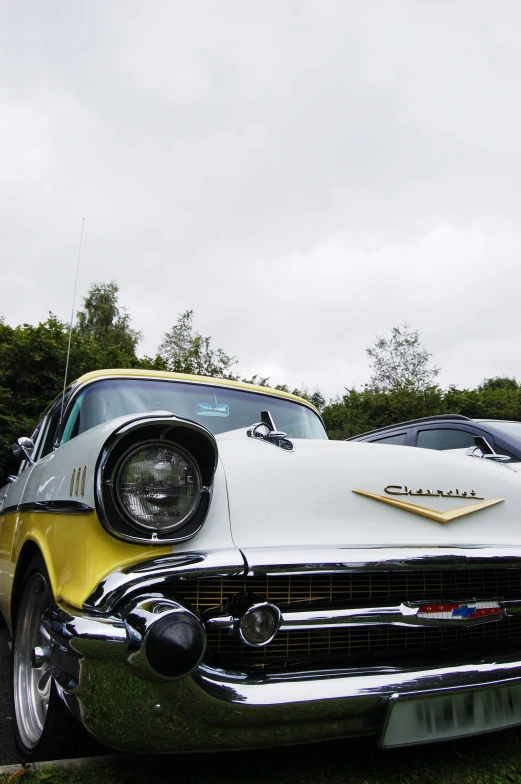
point(452, 432)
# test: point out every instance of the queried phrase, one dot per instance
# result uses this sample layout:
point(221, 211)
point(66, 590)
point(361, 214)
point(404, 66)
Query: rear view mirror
point(212, 409)
point(23, 449)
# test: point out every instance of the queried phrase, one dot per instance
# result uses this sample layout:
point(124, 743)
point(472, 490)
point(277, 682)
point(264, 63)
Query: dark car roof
point(420, 421)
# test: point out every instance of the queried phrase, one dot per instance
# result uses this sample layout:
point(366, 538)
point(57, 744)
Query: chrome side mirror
point(23, 449)
point(267, 431)
point(484, 450)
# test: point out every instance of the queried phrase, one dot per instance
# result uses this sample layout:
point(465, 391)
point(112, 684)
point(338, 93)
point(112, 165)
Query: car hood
point(337, 493)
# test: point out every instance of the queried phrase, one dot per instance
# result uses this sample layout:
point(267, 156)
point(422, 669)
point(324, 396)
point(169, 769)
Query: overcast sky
point(303, 175)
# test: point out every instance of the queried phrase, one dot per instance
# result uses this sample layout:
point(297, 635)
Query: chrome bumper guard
point(124, 705)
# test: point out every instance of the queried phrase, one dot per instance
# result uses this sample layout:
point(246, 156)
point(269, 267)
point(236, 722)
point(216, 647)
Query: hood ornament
point(265, 430)
point(431, 514)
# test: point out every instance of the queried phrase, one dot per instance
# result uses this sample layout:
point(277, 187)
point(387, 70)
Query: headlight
point(158, 486)
point(154, 479)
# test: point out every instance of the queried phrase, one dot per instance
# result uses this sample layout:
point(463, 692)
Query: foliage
point(499, 382)
point(358, 411)
point(400, 362)
point(108, 326)
point(316, 398)
point(184, 350)
point(33, 358)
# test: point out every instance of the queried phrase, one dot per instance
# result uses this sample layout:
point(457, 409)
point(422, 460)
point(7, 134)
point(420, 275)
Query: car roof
point(419, 421)
point(493, 421)
point(426, 420)
point(186, 377)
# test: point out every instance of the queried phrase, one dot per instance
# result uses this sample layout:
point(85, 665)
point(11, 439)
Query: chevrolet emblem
point(431, 514)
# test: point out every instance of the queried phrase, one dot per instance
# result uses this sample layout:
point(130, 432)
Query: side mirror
point(475, 451)
point(484, 450)
point(23, 449)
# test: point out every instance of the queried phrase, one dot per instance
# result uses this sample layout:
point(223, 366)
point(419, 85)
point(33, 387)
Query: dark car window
point(445, 438)
point(398, 438)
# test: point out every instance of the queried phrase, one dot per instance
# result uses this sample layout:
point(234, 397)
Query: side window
point(50, 435)
point(445, 438)
point(399, 438)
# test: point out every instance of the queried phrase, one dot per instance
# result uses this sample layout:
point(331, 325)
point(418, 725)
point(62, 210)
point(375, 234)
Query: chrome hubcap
point(32, 667)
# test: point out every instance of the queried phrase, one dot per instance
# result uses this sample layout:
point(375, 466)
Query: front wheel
point(44, 727)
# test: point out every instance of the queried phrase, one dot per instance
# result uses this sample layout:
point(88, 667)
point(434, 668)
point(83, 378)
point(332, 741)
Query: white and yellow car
point(189, 564)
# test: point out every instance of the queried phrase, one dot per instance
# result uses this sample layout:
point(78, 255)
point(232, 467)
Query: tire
point(44, 727)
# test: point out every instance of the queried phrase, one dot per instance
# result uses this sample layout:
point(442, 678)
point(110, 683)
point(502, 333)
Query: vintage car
point(188, 564)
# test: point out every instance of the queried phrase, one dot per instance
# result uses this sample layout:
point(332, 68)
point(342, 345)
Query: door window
point(398, 438)
point(445, 438)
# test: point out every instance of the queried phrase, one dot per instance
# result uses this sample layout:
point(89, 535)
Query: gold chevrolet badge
point(431, 514)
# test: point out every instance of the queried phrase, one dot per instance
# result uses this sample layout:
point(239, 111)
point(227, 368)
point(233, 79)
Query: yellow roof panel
point(221, 382)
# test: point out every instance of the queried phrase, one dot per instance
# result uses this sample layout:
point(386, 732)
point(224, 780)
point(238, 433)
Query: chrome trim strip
point(153, 574)
point(399, 615)
point(292, 560)
point(56, 507)
point(289, 561)
point(268, 689)
point(69, 626)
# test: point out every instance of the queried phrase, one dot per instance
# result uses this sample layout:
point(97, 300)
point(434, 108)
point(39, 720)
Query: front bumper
point(217, 709)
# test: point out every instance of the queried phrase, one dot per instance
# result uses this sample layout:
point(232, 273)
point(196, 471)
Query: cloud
point(304, 175)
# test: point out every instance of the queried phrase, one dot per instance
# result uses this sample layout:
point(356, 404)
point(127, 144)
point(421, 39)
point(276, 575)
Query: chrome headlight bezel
point(189, 438)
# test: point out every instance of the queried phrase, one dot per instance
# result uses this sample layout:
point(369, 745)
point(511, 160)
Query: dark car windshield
point(512, 429)
point(217, 408)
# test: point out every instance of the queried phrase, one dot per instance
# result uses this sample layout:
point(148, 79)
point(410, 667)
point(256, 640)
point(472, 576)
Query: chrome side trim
point(400, 615)
point(56, 507)
point(293, 560)
point(153, 574)
point(283, 688)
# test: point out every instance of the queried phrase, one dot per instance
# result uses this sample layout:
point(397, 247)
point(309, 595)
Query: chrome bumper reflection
point(128, 707)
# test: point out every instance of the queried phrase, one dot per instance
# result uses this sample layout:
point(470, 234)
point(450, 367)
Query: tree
point(361, 410)
point(401, 362)
point(33, 359)
point(184, 350)
point(108, 326)
point(498, 382)
point(316, 398)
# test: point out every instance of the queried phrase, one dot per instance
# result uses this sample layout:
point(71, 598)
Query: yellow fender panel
point(78, 552)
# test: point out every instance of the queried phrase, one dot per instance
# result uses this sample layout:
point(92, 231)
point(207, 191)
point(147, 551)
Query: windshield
point(217, 408)
point(512, 429)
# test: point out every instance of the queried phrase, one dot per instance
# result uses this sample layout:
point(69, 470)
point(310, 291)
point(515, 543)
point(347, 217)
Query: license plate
point(424, 719)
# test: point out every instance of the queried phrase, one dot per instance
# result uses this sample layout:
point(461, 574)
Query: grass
point(488, 759)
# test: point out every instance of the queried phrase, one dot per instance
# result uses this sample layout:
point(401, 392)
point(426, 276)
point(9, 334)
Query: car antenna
point(70, 330)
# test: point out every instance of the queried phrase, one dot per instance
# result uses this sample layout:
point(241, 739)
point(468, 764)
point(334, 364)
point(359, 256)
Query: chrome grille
point(213, 592)
point(358, 589)
point(395, 642)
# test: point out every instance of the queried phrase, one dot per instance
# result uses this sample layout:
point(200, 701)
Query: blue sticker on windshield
point(213, 409)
